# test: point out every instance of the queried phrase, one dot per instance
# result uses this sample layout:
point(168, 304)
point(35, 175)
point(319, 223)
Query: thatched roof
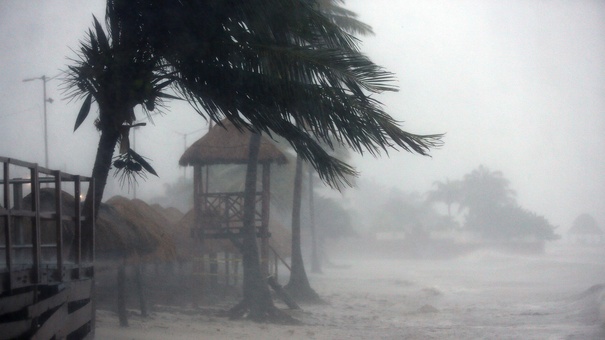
point(228, 145)
point(585, 225)
point(117, 233)
point(173, 215)
point(116, 237)
point(47, 201)
point(151, 227)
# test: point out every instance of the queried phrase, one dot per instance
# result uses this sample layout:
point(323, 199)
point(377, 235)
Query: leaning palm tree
point(271, 66)
point(298, 285)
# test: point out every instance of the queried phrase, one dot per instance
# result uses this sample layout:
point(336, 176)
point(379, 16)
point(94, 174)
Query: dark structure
point(219, 215)
point(46, 288)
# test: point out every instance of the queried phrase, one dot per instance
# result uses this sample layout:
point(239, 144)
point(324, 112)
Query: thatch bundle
point(123, 230)
point(228, 145)
point(171, 214)
point(150, 226)
point(48, 228)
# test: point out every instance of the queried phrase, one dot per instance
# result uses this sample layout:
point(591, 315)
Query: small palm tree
point(448, 192)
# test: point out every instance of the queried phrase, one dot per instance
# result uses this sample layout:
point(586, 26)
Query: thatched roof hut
point(585, 229)
point(171, 214)
point(47, 204)
point(585, 224)
point(151, 226)
point(228, 145)
point(119, 232)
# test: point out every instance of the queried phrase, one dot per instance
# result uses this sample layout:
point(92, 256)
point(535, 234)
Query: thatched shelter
point(151, 228)
point(171, 214)
point(228, 145)
point(585, 229)
point(218, 215)
point(121, 231)
point(22, 231)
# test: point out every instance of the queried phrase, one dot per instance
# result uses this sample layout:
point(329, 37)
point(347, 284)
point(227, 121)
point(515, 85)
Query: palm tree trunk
point(315, 260)
point(298, 286)
point(100, 172)
point(257, 297)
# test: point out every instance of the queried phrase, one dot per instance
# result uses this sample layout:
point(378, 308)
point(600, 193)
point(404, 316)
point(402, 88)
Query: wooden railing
point(46, 266)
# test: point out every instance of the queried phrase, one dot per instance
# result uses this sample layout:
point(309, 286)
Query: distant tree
point(406, 212)
point(448, 192)
point(513, 223)
point(493, 212)
point(586, 224)
point(484, 189)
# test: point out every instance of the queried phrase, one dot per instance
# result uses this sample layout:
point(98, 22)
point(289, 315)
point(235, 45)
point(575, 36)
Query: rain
point(496, 233)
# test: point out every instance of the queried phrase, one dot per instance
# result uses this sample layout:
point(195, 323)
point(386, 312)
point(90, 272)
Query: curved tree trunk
point(100, 171)
point(257, 303)
point(298, 287)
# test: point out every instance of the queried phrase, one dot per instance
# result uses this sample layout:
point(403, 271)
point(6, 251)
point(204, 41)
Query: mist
point(516, 87)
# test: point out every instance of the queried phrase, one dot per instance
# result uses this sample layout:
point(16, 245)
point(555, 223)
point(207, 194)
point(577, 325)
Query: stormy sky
point(517, 86)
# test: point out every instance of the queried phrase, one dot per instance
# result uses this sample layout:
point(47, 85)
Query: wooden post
point(266, 185)
point(122, 314)
point(7, 225)
point(78, 224)
point(36, 241)
point(139, 281)
point(227, 267)
point(59, 224)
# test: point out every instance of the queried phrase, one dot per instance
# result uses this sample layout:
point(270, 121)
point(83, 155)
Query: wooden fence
point(46, 265)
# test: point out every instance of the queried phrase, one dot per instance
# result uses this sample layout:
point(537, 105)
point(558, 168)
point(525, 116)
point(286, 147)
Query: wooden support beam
point(59, 225)
point(8, 237)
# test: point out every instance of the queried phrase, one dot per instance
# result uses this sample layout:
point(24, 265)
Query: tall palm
point(266, 65)
point(448, 192)
point(298, 285)
point(484, 193)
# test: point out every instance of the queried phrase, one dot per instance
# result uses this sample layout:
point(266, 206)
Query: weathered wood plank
point(77, 319)
point(15, 329)
point(52, 325)
point(16, 302)
point(80, 290)
point(47, 304)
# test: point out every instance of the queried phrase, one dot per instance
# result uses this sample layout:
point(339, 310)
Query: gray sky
point(518, 86)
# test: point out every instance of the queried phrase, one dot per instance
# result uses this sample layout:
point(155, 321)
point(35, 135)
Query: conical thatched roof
point(228, 145)
point(119, 231)
point(173, 215)
point(115, 237)
point(152, 227)
point(585, 224)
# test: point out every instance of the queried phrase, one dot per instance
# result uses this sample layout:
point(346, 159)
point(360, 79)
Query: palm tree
point(448, 192)
point(272, 66)
point(484, 193)
point(298, 286)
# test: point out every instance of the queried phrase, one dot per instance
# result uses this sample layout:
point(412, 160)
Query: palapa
point(228, 145)
point(151, 227)
point(117, 233)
